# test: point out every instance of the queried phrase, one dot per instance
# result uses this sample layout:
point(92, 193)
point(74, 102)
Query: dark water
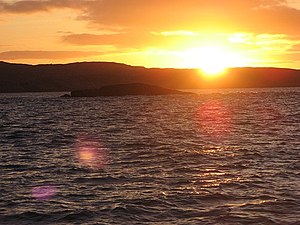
point(226, 157)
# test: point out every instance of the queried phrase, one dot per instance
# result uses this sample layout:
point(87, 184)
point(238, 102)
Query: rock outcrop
point(128, 89)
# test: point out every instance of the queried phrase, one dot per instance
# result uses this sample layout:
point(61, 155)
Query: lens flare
point(214, 119)
point(91, 153)
point(44, 193)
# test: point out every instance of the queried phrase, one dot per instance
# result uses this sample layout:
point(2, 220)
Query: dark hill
point(92, 75)
point(128, 89)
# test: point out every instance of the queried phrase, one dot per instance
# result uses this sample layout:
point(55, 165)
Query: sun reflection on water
point(213, 177)
point(214, 119)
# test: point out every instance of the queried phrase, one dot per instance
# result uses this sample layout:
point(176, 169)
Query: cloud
point(293, 57)
point(258, 16)
point(142, 39)
point(36, 6)
point(119, 40)
point(296, 48)
point(129, 39)
point(14, 55)
point(181, 40)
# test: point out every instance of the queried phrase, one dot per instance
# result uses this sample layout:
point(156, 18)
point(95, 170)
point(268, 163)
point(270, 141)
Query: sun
point(212, 60)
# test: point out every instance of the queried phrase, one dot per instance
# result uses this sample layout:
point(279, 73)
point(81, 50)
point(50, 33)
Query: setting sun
point(212, 60)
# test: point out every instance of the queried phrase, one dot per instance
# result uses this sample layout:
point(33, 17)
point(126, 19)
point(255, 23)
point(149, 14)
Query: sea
point(228, 156)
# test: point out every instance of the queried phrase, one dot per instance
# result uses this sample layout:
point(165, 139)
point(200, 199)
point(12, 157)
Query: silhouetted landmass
point(66, 96)
point(93, 75)
point(128, 89)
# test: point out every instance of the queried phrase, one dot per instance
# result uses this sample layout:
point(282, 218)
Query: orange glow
point(212, 60)
point(172, 34)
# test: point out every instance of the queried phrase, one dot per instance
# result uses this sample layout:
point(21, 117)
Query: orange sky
point(156, 33)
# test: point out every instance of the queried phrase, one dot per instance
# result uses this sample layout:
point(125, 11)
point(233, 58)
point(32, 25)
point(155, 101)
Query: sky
point(156, 33)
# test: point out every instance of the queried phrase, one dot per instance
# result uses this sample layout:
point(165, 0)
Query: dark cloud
point(13, 55)
point(35, 6)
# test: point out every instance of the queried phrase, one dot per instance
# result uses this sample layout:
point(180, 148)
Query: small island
point(128, 89)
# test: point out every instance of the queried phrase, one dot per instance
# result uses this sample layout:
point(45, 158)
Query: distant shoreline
point(197, 91)
point(20, 78)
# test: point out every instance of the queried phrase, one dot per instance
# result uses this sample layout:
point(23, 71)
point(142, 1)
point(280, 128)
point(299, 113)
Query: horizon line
point(125, 64)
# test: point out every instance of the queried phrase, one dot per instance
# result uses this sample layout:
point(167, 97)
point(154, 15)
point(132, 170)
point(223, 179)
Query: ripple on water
point(226, 158)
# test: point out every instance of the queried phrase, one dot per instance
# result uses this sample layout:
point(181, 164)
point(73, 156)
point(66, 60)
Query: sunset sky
point(156, 33)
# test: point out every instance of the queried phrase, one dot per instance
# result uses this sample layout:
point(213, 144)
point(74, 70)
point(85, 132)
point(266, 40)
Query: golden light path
point(212, 60)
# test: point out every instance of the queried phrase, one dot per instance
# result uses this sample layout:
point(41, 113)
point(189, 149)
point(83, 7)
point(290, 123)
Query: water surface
point(223, 157)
